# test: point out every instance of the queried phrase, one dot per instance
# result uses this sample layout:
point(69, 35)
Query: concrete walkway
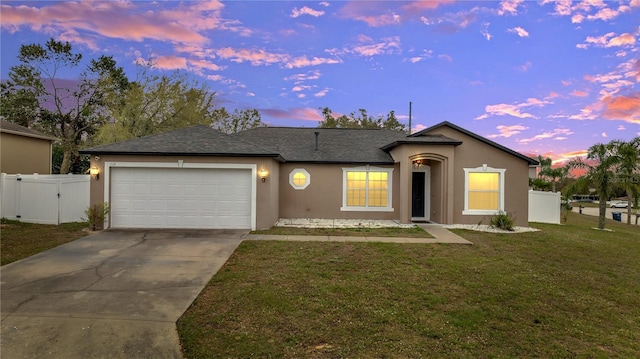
point(441, 235)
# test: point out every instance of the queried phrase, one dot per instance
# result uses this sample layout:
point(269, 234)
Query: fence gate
point(46, 199)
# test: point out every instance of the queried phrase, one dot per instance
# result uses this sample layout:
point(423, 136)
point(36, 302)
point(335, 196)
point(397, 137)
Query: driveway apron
point(115, 294)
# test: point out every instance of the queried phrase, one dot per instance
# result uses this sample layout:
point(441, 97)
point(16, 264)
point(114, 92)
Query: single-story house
point(23, 150)
point(198, 177)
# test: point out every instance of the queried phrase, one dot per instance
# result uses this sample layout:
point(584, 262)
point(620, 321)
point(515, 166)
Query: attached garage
point(212, 198)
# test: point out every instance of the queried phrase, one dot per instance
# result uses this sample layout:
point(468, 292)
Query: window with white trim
point(366, 189)
point(483, 190)
point(299, 178)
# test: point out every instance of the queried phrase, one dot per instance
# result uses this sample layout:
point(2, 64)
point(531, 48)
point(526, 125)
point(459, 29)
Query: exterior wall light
point(95, 173)
point(263, 174)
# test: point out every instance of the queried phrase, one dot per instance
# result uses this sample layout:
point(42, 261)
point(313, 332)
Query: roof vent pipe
point(317, 133)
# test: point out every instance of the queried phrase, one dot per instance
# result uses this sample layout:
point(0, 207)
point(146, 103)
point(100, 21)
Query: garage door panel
point(181, 198)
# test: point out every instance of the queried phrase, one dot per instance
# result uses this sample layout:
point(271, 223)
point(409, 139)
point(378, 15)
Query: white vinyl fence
point(544, 207)
point(46, 199)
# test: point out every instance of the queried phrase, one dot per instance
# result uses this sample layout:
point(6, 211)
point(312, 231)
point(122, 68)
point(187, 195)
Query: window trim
point(484, 169)
point(307, 178)
point(367, 169)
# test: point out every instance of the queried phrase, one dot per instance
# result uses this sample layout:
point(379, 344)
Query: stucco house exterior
point(200, 178)
point(23, 150)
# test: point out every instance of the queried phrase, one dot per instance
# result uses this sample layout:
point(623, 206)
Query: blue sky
point(549, 77)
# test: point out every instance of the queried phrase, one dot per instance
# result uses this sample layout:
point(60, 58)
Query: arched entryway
point(428, 188)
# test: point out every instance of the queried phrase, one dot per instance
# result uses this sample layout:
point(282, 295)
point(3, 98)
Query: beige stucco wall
point(267, 209)
point(474, 153)
point(24, 155)
point(323, 197)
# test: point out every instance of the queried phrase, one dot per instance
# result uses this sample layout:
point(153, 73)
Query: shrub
point(502, 220)
point(96, 215)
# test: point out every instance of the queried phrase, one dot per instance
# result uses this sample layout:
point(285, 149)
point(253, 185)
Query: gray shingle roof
point(289, 144)
point(335, 145)
point(194, 141)
point(14, 128)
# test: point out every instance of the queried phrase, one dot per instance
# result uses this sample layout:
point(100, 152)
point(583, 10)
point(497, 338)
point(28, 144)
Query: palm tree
point(554, 175)
point(601, 164)
point(628, 171)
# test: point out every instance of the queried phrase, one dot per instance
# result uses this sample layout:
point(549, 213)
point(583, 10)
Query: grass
point(566, 291)
point(21, 240)
point(415, 232)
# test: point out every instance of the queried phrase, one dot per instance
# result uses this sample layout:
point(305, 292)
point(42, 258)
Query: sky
point(546, 77)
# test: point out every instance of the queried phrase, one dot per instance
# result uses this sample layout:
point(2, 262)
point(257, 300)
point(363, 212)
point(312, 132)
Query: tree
point(240, 120)
point(36, 97)
point(551, 175)
point(601, 174)
point(361, 120)
point(155, 104)
point(628, 171)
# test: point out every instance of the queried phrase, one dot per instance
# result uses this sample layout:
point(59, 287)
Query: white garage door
point(180, 198)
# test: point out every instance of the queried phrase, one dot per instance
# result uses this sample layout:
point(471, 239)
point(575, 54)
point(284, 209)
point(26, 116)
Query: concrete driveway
point(115, 294)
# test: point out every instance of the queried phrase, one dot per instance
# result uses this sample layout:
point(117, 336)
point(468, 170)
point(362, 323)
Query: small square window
point(299, 178)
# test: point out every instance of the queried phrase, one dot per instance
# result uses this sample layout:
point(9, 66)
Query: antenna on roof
point(409, 117)
point(317, 133)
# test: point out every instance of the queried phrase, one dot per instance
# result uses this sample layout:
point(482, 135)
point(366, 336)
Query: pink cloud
point(609, 40)
point(122, 20)
point(417, 6)
point(311, 75)
point(622, 40)
point(579, 93)
point(305, 10)
point(586, 113)
point(558, 132)
point(525, 67)
point(509, 7)
point(306, 114)
point(321, 93)
point(170, 62)
point(519, 31)
point(387, 46)
point(513, 110)
point(508, 131)
point(258, 57)
point(626, 108)
point(417, 128)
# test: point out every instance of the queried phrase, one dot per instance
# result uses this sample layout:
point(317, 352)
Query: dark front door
point(417, 194)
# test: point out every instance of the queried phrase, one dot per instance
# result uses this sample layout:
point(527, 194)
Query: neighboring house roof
point(15, 129)
point(192, 141)
point(424, 132)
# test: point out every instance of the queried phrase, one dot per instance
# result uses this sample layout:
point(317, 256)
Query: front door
point(418, 195)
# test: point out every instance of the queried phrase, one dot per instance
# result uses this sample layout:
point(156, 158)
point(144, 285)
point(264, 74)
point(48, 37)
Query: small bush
point(96, 215)
point(502, 220)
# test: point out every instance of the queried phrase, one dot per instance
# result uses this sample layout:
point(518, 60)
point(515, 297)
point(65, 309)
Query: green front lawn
point(20, 240)
point(567, 291)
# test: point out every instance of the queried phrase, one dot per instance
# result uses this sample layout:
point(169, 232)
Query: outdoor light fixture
point(263, 174)
point(95, 172)
point(417, 163)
